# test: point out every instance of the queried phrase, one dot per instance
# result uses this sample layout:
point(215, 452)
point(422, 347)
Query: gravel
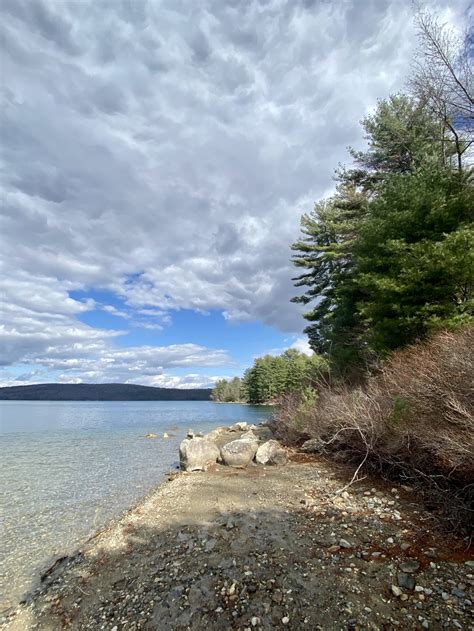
point(262, 548)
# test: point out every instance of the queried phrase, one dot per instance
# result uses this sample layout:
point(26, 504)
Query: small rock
point(190, 433)
point(151, 435)
point(409, 566)
point(405, 580)
point(396, 591)
point(404, 546)
point(285, 620)
point(345, 544)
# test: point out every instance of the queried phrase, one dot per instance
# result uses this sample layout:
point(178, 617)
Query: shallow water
point(67, 468)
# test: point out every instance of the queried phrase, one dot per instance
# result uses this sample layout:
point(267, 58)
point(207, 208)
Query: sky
point(157, 156)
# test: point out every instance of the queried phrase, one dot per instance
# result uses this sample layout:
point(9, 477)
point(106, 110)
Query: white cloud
point(302, 345)
point(165, 152)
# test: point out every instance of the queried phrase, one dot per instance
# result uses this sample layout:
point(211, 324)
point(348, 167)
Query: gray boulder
point(271, 453)
point(197, 454)
point(239, 453)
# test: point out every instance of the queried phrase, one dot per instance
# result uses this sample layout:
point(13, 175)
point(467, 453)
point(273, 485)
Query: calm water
point(66, 468)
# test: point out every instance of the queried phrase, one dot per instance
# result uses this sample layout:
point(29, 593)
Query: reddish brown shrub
point(414, 419)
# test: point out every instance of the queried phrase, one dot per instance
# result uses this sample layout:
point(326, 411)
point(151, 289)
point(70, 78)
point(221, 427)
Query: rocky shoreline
point(261, 547)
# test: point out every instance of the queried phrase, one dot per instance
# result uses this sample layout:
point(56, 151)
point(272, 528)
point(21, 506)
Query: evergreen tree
point(388, 257)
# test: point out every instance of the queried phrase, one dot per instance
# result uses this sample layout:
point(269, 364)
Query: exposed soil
point(263, 548)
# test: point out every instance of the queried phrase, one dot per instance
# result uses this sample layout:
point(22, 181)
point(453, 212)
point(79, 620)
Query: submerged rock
point(151, 435)
point(197, 454)
point(239, 453)
point(271, 453)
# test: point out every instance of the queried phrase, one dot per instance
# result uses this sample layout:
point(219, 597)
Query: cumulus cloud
point(164, 151)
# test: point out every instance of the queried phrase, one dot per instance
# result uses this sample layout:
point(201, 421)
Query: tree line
point(270, 377)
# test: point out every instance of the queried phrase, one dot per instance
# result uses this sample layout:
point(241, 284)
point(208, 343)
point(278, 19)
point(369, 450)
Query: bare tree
point(443, 79)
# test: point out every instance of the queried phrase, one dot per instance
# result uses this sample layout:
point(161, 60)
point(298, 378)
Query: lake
point(67, 468)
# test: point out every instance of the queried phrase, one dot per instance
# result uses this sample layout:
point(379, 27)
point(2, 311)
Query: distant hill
point(100, 392)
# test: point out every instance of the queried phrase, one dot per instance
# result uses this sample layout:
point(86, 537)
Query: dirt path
point(263, 548)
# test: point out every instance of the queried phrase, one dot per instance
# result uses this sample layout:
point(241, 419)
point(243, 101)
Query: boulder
point(271, 453)
point(197, 454)
point(239, 453)
point(239, 427)
point(249, 436)
point(215, 434)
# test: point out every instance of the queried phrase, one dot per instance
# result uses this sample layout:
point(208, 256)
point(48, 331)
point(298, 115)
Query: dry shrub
point(414, 419)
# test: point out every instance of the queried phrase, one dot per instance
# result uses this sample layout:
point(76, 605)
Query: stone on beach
point(249, 436)
point(197, 454)
point(216, 433)
point(271, 453)
point(151, 435)
point(239, 453)
point(239, 427)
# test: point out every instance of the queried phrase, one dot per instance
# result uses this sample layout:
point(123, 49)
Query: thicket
point(414, 419)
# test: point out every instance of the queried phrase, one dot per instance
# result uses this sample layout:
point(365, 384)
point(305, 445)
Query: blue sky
point(157, 157)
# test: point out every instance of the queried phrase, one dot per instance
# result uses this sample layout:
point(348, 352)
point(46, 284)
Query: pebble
point(396, 591)
point(345, 544)
point(285, 620)
point(409, 566)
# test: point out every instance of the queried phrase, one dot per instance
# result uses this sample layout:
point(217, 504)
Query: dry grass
point(414, 419)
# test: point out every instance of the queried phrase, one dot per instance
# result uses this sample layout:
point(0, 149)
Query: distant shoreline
point(101, 392)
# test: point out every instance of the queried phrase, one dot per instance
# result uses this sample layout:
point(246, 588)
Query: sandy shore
point(263, 548)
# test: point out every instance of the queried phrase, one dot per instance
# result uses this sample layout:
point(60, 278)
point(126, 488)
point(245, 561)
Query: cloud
point(165, 152)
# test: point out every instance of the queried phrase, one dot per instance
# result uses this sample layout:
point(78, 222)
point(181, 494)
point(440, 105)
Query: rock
point(166, 435)
point(409, 566)
point(151, 435)
point(345, 544)
point(196, 454)
point(396, 591)
point(405, 580)
point(314, 445)
point(249, 435)
point(239, 453)
point(239, 427)
point(271, 453)
point(216, 433)
point(190, 433)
